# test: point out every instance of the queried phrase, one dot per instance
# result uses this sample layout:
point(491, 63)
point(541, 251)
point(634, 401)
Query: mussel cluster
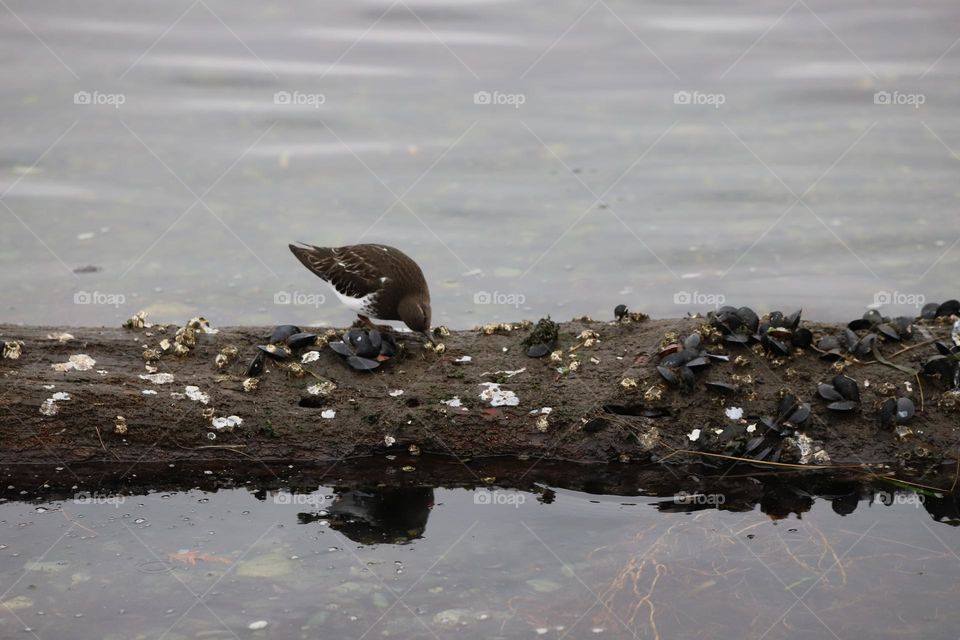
point(364, 349)
point(680, 360)
point(893, 329)
point(933, 310)
point(945, 365)
point(543, 339)
point(792, 416)
point(842, 393)
point(778, 333)
point(878, 328)
point(766, 441)
point(285, 340)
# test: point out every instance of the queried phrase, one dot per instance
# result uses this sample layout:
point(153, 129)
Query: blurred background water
point(563, 157)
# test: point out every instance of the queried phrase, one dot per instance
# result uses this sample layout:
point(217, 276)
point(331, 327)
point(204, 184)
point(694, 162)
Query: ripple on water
point(249, 64)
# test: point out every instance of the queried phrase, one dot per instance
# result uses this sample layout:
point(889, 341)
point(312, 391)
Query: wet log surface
point(612, 407)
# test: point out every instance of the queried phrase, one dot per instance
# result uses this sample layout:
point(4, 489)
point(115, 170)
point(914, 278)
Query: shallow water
point(597, 189)
point(432, 562)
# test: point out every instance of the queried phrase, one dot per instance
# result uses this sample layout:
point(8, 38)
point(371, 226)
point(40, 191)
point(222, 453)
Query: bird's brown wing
point(348, 269)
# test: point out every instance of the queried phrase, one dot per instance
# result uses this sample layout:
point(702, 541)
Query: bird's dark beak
point(426, 334)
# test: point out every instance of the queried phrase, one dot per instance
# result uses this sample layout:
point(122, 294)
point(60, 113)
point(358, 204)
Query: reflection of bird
point(373, 279)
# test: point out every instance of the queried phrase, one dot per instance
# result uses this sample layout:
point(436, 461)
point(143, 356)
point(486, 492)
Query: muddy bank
point(131, 395)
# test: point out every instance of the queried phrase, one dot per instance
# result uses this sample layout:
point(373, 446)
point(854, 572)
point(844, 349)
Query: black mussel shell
point(775, 319)
point(828, 392)
point(313, 402)
point(687, 377)
point(698, 362)
point(843, 405)
point(679, 358)
point(800, 416)
point(771, 424)
point(896, 411)
point(792, 321)
point(341, 348)
point(753, 444)
point(693, 341)
point(670, 375)
point(832, 356)
point(888, 332)
point(802, 338)
point(722, 387)
point(788, 404)
point(620, 311)
point(749, 318)
point(945, 348)
point(873, 317)
point(375, 338)
point(678, 376)
point(904, 325)
point(929, 310)
point(828, 343)
point(949, 308)
point(353, 337)
point(363, 344)
point(738, 338)
point(940, 365)
point(538, 350)
point(362, 364)
point(847, 387)
point(864, 346)
point(888, 413)
point(727, 319)
point(850, 338)
point(388, 345)
point(256, 365)
point(283, 331)
point(905, 409)
point(275, 351)
point(301, 340)
point(859, 324)
point(774, 344)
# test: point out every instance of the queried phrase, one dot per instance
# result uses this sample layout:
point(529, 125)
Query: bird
point(375, 280)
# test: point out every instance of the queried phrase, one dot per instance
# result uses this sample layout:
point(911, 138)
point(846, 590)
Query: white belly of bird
point(358, 305)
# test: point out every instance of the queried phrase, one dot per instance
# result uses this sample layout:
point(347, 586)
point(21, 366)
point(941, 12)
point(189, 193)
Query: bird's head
point(415, 313)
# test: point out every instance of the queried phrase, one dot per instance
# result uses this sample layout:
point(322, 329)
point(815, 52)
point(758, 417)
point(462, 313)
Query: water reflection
point(376, 516)
point(563, 551)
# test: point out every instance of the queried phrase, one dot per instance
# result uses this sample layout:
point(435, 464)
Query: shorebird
point(374, 280)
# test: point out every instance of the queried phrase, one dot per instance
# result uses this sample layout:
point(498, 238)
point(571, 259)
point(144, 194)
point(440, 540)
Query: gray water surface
point(458, 563)
point(585, 182)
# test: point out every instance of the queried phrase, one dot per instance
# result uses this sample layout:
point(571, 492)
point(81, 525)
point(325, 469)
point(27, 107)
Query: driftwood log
point(598, 398)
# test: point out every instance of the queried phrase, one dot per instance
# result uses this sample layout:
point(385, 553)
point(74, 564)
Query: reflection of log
point(611, 406)
point(374, 500)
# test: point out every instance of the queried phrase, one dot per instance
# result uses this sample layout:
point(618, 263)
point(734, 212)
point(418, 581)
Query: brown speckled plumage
point(385, 282)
